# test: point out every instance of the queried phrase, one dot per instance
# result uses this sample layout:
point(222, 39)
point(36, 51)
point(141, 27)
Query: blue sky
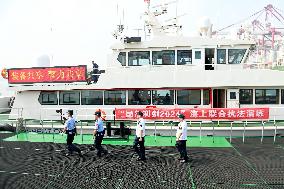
point(81, 29)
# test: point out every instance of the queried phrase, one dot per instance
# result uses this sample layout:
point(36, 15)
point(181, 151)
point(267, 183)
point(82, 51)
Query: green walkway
point(149, 141)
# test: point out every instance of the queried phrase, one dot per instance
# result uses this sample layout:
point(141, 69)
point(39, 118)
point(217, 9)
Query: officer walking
point(140, 138)
point(99, 133)
point(70, 130)
point(181, 137)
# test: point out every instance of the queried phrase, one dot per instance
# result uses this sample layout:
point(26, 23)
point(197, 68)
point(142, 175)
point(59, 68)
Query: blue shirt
point(70, 123)
point(99, 125)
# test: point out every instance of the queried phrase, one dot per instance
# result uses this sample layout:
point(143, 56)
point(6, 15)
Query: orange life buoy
point(4, 73)
point(103, 114)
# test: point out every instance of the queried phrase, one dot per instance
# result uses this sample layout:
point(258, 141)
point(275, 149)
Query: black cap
point(98, 114)
point(70, 112)
point(140, 113)
point(181, 116)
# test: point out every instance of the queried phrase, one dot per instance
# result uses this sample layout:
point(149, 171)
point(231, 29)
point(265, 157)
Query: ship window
point(206, 97)
point(189, 97)
point(69, 98)
point(91, 97)
point(48, 98)
point(233, 96)
point(122, 58)
point(267, 96)
point(197, 55)
point(282, 96)
point(165, 57)
point(246, 96)
point(115, 97)
point(139, 97)
point(221, 56)
point(163, 97)
point(184, 57)
point(138, 58)
point(236, 55)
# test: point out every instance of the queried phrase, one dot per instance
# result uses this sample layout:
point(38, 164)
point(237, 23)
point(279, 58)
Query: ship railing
point(231, 67)
point(202, 128)
point(17, 122)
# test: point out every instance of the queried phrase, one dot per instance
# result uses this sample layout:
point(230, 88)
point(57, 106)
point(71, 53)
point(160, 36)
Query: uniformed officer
point(70, 130)
point(99, 133)
point(181, 137)
point(140, 138)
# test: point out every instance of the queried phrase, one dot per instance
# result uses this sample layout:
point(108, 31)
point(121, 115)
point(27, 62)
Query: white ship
point(168, 70)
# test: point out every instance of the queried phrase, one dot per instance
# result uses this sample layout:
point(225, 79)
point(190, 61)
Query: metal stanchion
point(244, 131)
point(155, 131)
point(171, 131)
point(275, 131)
point(82, 132)
point(42, 129)
point(17, 129)
point(213, 131)
point(262, 131)
point(26, 128)
point(231, 132)
point(200, 132)
point(52, 130)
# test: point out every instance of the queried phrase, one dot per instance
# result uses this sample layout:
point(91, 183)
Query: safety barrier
point(200, 127)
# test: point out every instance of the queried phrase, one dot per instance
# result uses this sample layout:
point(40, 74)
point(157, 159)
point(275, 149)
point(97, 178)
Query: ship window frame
point(266, 96)
point(171, 100)
point(205, 97)
point(62, 96)
point(218, 56)
point(100, 99)
point(188, 97)
point(242, 98)
point(148, 99)
point(106, 102)
point(156, 55)
point(147, 55)
point(40, 98)
point(282, 96)
point(197, 55)
point(181, 55)
point(122, 58)
point(242, 57)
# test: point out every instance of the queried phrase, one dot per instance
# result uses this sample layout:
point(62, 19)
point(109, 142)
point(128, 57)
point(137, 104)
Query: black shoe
point(141, 159)
point(184, 161)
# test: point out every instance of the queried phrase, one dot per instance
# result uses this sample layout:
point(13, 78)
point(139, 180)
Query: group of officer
point(139, 141)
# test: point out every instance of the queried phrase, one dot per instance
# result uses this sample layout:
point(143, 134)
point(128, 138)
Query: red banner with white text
point(195, 113)
point(50, 74)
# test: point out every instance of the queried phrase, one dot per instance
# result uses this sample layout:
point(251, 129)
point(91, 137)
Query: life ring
point(4, 73)
point(103, 114)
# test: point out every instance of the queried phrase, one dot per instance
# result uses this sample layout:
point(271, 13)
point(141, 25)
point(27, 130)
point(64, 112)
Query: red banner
point(195, 113)
point(49, 74)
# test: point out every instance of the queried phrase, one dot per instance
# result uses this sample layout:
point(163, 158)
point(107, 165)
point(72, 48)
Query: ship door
point(198, 56)
point(233, 98)
point(219, 98)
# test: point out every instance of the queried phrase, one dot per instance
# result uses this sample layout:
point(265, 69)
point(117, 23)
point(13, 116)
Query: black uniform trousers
point(70, 138)
point(98, 143)
point(139, 147)
point(181, 147)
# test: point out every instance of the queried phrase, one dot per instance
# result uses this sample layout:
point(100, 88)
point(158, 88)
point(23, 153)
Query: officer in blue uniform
point(99, 133)
point(70, 130)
